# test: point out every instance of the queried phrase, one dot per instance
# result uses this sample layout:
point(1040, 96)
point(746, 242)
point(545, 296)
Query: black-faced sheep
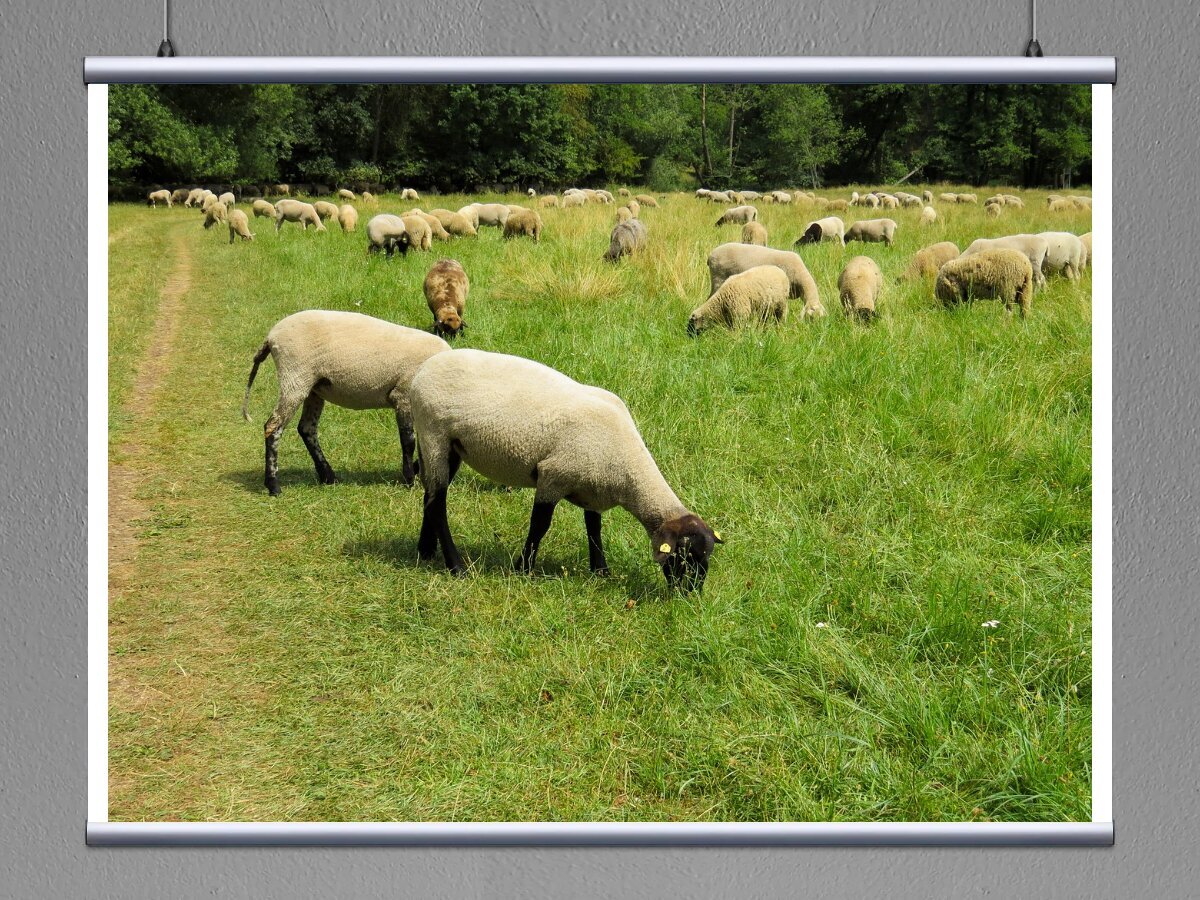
point(344, 358)
point(859, 286)
point(388, 233)
point(523, 424)
point(878, 231)
point(446, 287)
point(626, 239)
point(1001, 274)
point(828, 229)
point(760, 294)
point(728, 260)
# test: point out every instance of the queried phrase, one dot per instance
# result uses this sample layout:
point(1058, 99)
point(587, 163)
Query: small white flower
point(822, 625)
point(991, 623)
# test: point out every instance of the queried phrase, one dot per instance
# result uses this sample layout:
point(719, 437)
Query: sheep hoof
point(330, 478)
point(601, 572)
point(458, 570)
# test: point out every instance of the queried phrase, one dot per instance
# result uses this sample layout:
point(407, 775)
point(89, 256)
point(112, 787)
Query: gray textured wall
point(42, 414)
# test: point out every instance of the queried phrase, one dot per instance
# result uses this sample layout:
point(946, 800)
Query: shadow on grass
point(300, 476)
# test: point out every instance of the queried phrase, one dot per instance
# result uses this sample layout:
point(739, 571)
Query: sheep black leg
point(271, 473)
point(408, 447)
point(437, 508)
point(428, 541)
point(309, 418)
point(596, 561)
point(539, 524)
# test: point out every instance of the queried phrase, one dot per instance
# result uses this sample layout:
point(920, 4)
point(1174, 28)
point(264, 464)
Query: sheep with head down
point(436, 229)
point(927, 197)
point(455, 224)
point(294, 211)
point(646, 200)
point(410, 194)
point(729, 259)
point(347, 217)
point(420, 235)
point(494, 215)
point(524, 223)
point(547, 200)
point(156, 197)
point(634, 208)
point(1033, 246)
point(1064, 254)
point(325, 210)
point(387, 233)
point(239, 226)
point(1001, 274)
point(523, 424)
point(926, 261)
point(1086, 241)
point(215, 212)
point(228, 199)
point(180, 195)
point(872, 231)
point(738, 215)
point(754, 233)
point(626, 239)
point(859, 286)
point(759, 294)
point(346, 194)
point(928, 216)
point(623, 214)
point(263, 209)
point(446, 286)
point(830, 228)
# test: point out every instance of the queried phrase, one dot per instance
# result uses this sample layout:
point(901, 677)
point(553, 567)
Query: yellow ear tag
point(665, 548)
point(717, 535)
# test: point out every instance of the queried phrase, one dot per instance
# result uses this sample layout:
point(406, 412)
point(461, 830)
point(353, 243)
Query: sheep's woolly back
point(385, 229)
point(872, 231)
point(739, 215)
point(1064, 253)
point(419, 232)
point(470, 212)
point(1034, 248)
point(325, 210)
point(263, 209)
point(626, 238)
point(493, 214)
point(454, 223)
point(859, 286)
point(830, 228)
point(1001, 274)
point(1086, 241)
point(523, 424)
point(623, 214)
point(228, 199)
point(436, 230)
point(295, 211)
point(547, 200)
point(646, 200)
point(730, 259)
point(215, 212)
point(760, 294)
point(927, 260)
point(754, 233)
point(347, 194)
point(524, 222)
point(347, 217)
point(239, 226)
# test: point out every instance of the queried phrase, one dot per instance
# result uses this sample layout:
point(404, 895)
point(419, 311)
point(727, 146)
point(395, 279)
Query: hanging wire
point(1033, 48)
point(166, 48)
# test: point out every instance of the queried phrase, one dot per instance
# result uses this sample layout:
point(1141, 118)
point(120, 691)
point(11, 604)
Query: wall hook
point(1033, 48)
point(166, 48)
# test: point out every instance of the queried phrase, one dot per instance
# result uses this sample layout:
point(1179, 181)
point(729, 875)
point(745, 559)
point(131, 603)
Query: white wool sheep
point(738, 215)
point(345, 358)
point(759, 294)
point(781, 196)
point(859, 286)
point(194, 197)
point(388, 233)
point(646, 200)
point(634, 208)
point(207, 199)
point(878, 231)
point(531, 192)
point(346, 194)
point(455, 224)
point(263, 209)
point(993, 210)
point(446, 287)
point(754, 233)
point(830, 228)
point(1061, 204)
point(410, 194)
point(214, 213)
point(623, 214)
point(1013, 200)
point(1001, 274)
point(928, 216)
point(1086, 241)
point(749, 195)
point(927, 197)
point(1064, 254)
point(1031, 245)
point(728, 260)
point(966, 198)
point(180, 195)
point(927, 260)
point(281, 190)
point(736, 198)
point(523, 424)
point(623, 192)
point(436, 229)
point(347, 217)
point(239, 226)
point(837, 205)
point(948, 198)
point(470, 212)
point(570, 199)
point(295, 211)
point(523, 223)
point(605, 196)
point(493, 214)
point(156, 197)
point(325, 210)
point(420, 234)
point(368, 197)
point(720, 197)
point(626, 239)
point(547, 200)
point(855, 198)
point(228, 199)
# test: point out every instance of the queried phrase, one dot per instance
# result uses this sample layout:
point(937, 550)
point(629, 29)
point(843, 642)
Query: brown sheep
point(1002, 274)
point(928, 260)
point(446, 288)
point(525, 222)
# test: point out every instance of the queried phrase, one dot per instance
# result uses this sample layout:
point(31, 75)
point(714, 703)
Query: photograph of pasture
point(609, 453)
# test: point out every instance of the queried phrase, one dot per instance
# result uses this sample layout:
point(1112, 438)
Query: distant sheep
point(859, 286)
point(1003, 274)
point(388, 233)
point(569, 200)
point(281, 190)
point(156, 197)
point(926, 261)
point(966, 198)
point(759, 294)
point(194, 198)
point(837, 205)
point(239, 226)
point(928, 216)
point(325, 210)
point(446, 287)
point(728, 260)
point(626, 239)
point(948, 198)
point(216, 212)
point(623, 214)
point(622, 192)
point(878, 231)
point(524, 223)
point(927, 197)
point(409, 194)
point(263, 209)
point(346, 194)
point(547, 200)
point(295, 211)
point(634, 208)
point(993, 210)
point(347, 217)
point(754, 233)
point(180, 195)
point(828, 229)
point(368, 197)
point(455, 224)
point(781, 196)
point(646, 200)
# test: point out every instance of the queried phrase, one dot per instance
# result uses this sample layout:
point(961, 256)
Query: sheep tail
point(262, 354)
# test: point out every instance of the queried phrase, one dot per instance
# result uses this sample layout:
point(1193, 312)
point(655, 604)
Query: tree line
point(471, 137)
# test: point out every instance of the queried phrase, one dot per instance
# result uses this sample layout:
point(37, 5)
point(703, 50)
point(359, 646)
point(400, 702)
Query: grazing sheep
point(239, 226)
point(410, 194)
point(493, 214)
point(887, 201)
point(909, 199)
point(547, 200)
point(993, 210)
point(859, 286)
point(347, 359)
point(838, 205)
point(571, 199)
point(758, 294)
point(855, 198)
point(436, 230)
point(622, 192)
point(420, 235)
point(750, 195)
point(1013, 200)
point(1062, 204)
point(878, 231)
point(207, 200)
point(928, 216)
point(966, 198)
point(216, 212)
point(605, 196)
point(228, 199)
point(781, 196)
point(871, 200)
point(325, 210)
point(948, 198)
point(623, 214)
point(1081, 202)
point(263, 209)
point(646, 200)
point(828, 229)
point(1001, 274)
point(1064, 254)
point(455, 224)
point(736, 198)
point(523, 424)
point(531, 192)
point(1031, 245)
point(634, 208)
point(515, 208)
point(281, 190)
point(368, 197)
point(346, 194)
point(295, 211)
point(927, 197)
point(720, 197)
point(754, 233)
point(347, 217)
point(446, 287)
point(1086, 241)
point(180, 195)
point(927, 260)
point(194, 197)
point(728, 260)
point(388, 233)
point(626, 239)
point(525, 222)
point(156, 197)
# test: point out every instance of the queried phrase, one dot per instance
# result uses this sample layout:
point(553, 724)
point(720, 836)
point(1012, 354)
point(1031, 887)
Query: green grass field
point(882, 492)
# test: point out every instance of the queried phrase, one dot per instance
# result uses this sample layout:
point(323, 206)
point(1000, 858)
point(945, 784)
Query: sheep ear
point(717, 537)
point(664, 546)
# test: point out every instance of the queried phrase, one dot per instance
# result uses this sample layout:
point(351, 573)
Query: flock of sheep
point(523, 424)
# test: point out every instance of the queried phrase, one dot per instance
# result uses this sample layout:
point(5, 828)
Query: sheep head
point(682, 547)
